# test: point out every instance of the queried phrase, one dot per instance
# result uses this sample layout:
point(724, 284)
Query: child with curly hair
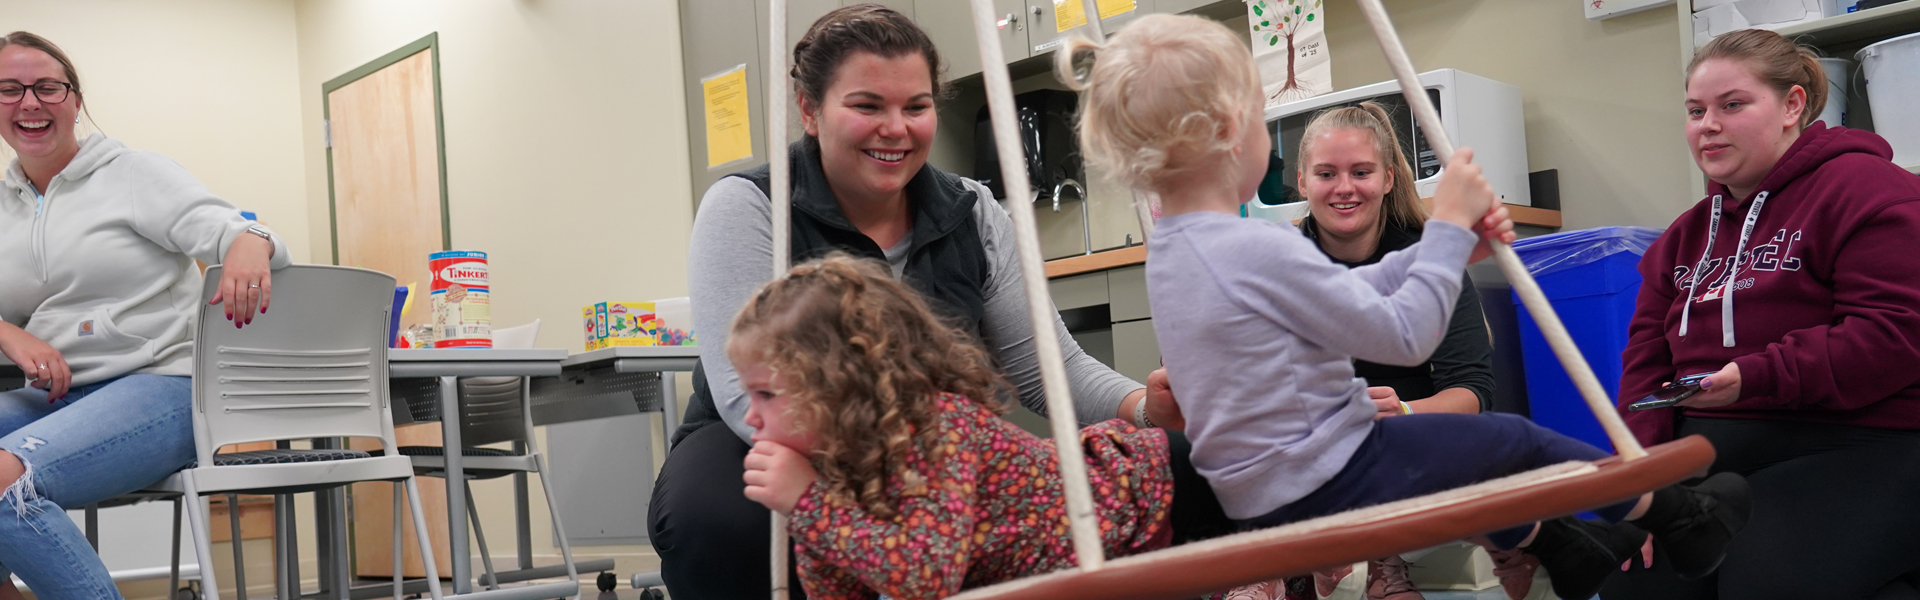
point(1259, 329)
point(878, 434)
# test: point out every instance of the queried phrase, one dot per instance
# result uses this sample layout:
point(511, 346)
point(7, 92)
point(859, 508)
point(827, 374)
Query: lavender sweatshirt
point(1259, 330)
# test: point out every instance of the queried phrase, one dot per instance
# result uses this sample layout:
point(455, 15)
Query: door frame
point(430, 44)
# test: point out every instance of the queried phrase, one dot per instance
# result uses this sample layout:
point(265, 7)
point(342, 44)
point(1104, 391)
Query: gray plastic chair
point(315, 368)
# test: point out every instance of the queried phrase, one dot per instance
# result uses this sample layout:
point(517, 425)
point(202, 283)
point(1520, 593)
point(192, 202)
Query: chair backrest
point(316, 367)
point(492, 409)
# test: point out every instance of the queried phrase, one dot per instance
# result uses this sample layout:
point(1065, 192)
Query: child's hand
point(1464, 195)
point(1496, 225)
point(1386, 402)
point(1161, 406)
point(777, 476)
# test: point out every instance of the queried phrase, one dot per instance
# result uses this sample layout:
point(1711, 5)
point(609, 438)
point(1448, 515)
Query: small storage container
point(1892, 71)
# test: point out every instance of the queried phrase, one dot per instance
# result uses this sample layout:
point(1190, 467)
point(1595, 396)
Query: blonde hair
point(1401, 204)
point(864, 360)
point(1775, 61)
point(1165, 97)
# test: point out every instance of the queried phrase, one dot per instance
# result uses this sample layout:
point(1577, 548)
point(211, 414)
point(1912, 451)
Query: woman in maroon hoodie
point(1797, 283)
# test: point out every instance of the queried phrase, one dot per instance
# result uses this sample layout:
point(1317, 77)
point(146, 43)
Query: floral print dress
point(994, 510)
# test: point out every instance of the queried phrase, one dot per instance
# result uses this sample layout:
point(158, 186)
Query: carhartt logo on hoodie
point(86, 328)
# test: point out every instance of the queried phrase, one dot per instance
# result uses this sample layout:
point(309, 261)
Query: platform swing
point(1201, 568)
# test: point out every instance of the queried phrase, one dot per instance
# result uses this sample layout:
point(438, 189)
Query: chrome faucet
point(1086, 227)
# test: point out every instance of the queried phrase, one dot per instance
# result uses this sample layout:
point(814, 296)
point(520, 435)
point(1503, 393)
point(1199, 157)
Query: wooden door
point(386, 174)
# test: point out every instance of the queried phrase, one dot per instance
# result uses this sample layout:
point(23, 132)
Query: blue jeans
point(102, 440)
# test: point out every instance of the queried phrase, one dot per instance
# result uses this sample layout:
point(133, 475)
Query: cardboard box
point(1725, 16)
point(616, 324)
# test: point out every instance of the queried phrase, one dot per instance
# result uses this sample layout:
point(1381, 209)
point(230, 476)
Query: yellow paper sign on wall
point(1068, 14)
point(729, 132)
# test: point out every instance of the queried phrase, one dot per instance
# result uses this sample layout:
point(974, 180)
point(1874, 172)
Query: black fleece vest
point(946, 263)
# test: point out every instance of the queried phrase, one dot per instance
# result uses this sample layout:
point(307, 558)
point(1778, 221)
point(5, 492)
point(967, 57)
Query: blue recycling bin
point(1591, 277)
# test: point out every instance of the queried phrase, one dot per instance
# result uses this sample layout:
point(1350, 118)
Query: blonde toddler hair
point(1164, 98)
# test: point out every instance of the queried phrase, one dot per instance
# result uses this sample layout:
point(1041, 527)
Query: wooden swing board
point(1219, 564)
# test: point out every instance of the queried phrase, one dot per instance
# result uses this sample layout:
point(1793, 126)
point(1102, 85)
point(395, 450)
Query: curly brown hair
point(863, 358)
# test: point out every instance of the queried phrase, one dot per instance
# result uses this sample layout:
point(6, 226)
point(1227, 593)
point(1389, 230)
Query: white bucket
point(1838, 71)
point(1892, 71)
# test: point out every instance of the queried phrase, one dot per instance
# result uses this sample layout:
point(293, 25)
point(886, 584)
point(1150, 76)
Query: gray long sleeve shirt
point(731, 256)
point(1259, 331)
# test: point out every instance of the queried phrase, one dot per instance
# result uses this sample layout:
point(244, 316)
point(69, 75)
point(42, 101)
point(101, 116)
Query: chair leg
point(425, 543)
point(173, 576)
point(342, 562)
point(202, 533)
point(93, 527)
point(486, 557)
point(553, 512)
point(399, 567)
point(239, 559)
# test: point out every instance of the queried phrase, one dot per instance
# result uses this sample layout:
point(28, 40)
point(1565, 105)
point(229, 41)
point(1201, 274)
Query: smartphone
point(1672, 394)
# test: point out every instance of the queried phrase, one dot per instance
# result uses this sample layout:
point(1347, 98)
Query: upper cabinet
point(949, 23)
point(1046, 33)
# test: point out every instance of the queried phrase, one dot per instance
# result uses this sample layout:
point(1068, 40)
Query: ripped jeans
point(102, 440)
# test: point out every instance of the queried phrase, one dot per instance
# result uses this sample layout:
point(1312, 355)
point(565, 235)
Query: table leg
point(456, 492)
point(522, 514)
point(669, 409)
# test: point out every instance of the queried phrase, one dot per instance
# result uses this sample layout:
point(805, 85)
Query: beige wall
point(212, 84)
point(1603, 100)
point(565, 150)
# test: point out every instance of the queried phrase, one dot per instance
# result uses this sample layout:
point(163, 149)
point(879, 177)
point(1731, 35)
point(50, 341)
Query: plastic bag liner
point(1561, 251)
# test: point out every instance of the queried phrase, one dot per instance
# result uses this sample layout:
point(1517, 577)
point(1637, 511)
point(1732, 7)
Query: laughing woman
point(97, 243)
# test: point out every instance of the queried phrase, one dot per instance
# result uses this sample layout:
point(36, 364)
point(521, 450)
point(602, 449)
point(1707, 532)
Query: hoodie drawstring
point(1733, 268)
point(1713, 231)
point(1726, 292)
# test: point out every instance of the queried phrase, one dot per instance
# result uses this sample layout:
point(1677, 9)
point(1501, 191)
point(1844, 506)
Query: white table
point(448, 365)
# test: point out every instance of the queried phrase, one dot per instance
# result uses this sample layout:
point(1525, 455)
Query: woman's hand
point(1646, 556)
point(777, 476)
point(1719, 389)
point(1386, 402)
point(1161, 407)
point(1464, 195)
point(46, 368)
point(246, 279)
point(1497, 225)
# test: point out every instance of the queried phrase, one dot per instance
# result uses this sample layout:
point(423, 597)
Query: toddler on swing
point(1259, 329)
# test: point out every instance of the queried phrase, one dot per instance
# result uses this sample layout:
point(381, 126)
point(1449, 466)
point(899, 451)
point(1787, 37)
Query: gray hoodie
point(101, 266)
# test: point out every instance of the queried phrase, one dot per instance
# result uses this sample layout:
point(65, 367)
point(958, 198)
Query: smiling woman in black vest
point(866, 79)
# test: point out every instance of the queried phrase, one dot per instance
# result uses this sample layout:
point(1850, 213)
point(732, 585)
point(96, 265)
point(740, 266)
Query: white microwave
point(1477, 113)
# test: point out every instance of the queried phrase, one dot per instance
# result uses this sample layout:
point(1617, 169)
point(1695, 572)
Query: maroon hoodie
point(1826, 300)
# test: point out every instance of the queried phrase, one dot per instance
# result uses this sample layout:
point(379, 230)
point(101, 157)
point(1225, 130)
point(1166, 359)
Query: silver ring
point(43, 366)
point(254, 286)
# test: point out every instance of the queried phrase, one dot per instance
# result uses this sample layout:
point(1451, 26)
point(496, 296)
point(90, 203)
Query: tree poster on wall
point(1290, 46)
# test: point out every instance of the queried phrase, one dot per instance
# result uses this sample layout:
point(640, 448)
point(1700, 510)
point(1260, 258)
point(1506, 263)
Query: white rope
point(782, 190)
point(1516, 272)
point(1053, 375)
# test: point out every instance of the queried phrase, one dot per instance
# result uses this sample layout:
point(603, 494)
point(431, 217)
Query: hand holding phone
point(1672, 394)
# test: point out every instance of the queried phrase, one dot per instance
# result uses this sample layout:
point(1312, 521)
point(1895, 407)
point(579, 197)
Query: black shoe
point(1692, 525)
point(1579, 555)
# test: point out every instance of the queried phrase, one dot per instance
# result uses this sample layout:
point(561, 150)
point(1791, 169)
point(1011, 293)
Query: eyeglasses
point(47, 90)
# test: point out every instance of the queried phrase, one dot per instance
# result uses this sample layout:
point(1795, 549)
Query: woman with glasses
point(98, 292)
